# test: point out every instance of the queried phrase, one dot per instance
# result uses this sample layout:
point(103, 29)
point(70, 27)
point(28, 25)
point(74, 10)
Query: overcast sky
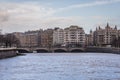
point(23, 15)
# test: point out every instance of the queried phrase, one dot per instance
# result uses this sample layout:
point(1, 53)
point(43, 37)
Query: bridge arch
point(77, 50)
point(60, 50)
point(42, 50)
point(22, 50)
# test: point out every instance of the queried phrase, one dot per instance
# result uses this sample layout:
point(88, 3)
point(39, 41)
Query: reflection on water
point(85, 66)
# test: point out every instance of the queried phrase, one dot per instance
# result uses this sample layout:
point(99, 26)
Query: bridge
point(62, 49)
point(45, 50)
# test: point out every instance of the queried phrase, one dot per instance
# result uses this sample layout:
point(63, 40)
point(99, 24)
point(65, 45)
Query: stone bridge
point(42, 50)
point(63, 49)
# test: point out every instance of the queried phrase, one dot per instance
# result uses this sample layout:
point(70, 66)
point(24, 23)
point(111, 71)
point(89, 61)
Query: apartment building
point(105, 36)
point(74, 36)
point(58, 37)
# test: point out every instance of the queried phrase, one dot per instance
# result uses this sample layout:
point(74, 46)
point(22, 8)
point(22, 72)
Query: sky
point(24, 15)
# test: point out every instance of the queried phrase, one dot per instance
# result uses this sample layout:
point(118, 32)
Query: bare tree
point(1, 40)
point(116, 42)
point(10, 40)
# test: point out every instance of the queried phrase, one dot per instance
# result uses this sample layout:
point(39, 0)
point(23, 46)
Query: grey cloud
point(4, 16)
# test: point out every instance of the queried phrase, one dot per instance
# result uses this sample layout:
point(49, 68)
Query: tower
point(115, 27)
point(107, 26)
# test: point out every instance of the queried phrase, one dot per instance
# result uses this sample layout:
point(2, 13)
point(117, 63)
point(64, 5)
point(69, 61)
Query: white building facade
point(58, 36)
point(74, 36)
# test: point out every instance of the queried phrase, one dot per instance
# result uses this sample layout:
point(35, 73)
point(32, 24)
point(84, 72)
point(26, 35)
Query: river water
point(61, 66)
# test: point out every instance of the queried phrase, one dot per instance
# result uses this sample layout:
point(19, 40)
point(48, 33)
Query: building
point(29, 38)
point(21, 38)
point(58, 37)
point(89, 39)
point(103, 37)
point(33, 38)
point(74, 36)
point(118, 33)
point(38, 38)
point(47, 38)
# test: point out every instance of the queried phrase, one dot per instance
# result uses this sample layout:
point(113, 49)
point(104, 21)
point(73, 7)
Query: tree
point(10, 40)
point(116, 42)
point(1, 40)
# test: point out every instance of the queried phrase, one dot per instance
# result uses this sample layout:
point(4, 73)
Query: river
point(61, 66)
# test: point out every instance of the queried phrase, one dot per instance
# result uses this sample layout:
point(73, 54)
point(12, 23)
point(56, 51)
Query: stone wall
point(5, 53)
point(103, 50)
point(116, 50)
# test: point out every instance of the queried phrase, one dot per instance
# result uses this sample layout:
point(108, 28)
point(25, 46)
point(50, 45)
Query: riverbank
point(7, 52)
point(103, 50)
point(116, 50)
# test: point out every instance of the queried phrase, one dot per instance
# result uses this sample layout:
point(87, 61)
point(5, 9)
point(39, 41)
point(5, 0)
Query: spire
point(115, 27)
point(90, 30)
point(99, 27)
point(107, 24)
